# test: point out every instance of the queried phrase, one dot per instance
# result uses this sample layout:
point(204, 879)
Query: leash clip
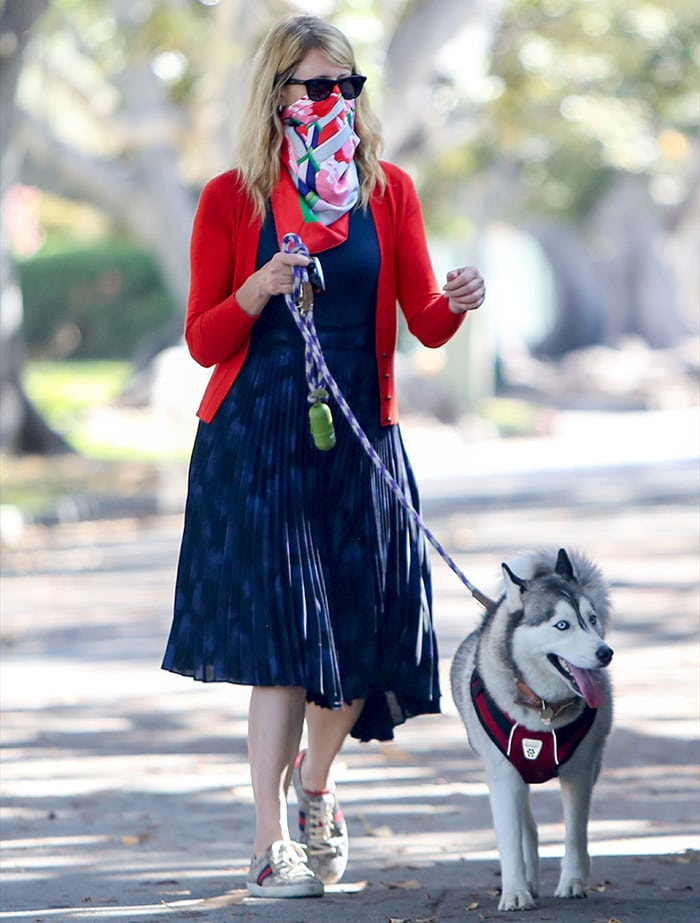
point(308, 280)
point(305, 298)
point(312, 283)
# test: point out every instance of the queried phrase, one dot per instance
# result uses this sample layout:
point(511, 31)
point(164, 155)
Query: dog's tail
point(460, 672)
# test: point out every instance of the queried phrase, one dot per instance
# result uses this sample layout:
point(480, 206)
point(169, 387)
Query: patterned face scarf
point(318, 152)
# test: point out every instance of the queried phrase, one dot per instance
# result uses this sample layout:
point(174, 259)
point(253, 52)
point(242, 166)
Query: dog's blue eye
point(593, 619)
point(562, 625)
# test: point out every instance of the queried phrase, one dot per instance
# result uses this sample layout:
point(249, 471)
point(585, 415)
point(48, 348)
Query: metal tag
point(307, 297)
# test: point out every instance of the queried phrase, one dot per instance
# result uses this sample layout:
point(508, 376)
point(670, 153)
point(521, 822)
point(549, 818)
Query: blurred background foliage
point(99, 302)
point(553, 142)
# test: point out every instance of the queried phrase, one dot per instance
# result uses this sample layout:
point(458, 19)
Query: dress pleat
point(300, 567)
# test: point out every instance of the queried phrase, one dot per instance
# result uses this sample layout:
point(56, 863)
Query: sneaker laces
point(320, 824)
point(286, 857)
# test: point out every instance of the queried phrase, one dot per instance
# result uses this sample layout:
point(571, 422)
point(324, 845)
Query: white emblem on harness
point(531, 748)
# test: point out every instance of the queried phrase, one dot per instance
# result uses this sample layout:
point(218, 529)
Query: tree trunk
point(633, 236)
point(412, 124)
point(617, 279)
point(581, 303)
point(22, 429)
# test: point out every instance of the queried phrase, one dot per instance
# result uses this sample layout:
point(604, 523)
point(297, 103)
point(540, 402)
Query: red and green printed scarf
point(320, 185)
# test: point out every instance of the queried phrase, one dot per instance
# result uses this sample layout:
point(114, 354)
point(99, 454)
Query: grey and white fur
point(546, 631)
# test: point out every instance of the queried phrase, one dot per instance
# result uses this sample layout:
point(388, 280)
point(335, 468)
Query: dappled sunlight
point(126, 790)
point(554, 145)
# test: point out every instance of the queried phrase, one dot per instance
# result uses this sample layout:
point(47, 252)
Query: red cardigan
point(223, 255)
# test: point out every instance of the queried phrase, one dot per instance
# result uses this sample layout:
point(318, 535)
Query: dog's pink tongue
point(591, 684)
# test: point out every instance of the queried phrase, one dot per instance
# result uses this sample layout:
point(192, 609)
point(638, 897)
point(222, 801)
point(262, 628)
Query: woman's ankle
point(264, 840)
point(313, 779)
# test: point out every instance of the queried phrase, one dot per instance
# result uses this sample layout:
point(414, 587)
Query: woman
point(299, 573)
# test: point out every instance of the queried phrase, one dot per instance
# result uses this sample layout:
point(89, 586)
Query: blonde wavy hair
point(262, 132)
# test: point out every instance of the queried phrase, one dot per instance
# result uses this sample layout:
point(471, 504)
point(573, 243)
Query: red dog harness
point(537, 755)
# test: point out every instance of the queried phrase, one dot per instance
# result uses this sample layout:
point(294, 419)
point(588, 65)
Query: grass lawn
point(79, 400)
point(65, 391)
point(119, 451)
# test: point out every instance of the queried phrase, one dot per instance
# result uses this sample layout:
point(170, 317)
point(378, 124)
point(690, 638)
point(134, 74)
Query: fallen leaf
point(136, 840)
point(374, 831)
point(226, 900)
point(411, 885)
point(209, 903)
point(473, 905)
point(398, 920)
point(392, 753)
point(347, 887)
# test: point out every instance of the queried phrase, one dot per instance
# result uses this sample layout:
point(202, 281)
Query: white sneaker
point(282, 871)
point(322, 829)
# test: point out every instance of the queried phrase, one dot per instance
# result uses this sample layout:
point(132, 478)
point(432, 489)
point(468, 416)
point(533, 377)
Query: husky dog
point(536, 702)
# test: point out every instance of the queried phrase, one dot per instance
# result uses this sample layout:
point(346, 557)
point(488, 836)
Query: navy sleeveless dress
point(299, 567)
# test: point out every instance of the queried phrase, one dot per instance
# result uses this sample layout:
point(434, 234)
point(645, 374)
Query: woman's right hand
point(276, 277)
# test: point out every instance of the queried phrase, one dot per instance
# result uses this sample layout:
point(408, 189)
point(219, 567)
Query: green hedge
point(99, 302)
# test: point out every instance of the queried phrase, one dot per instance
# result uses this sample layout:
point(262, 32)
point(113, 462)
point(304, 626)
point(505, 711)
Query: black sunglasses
point(320, 88)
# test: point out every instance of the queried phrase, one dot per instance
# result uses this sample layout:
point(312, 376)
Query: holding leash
point(307, 281)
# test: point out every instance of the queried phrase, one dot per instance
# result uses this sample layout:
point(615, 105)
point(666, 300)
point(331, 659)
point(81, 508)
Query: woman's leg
point(327, 729)
point(275, 722)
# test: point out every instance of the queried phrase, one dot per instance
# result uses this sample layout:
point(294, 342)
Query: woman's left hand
point(464, 289)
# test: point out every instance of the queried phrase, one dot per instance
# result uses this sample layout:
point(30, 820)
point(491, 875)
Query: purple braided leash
point(319, 378)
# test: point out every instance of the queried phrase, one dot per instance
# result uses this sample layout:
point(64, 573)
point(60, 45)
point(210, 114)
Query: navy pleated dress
point(299, 567)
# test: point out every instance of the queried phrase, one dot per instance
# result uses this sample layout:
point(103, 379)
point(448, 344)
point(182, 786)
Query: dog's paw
point(571, 887)
point(517, 899)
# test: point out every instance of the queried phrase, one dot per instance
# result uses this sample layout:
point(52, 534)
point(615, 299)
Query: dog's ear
point(564, 567)
point(514, 587)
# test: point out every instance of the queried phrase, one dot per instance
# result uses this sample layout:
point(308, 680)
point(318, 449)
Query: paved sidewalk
point(126, 794)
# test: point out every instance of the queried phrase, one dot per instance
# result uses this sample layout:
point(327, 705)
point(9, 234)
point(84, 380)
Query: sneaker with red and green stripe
point(322, 829)
point(282, 871)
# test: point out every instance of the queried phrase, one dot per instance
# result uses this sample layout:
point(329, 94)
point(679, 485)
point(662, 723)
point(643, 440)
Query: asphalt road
point(126, 793)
